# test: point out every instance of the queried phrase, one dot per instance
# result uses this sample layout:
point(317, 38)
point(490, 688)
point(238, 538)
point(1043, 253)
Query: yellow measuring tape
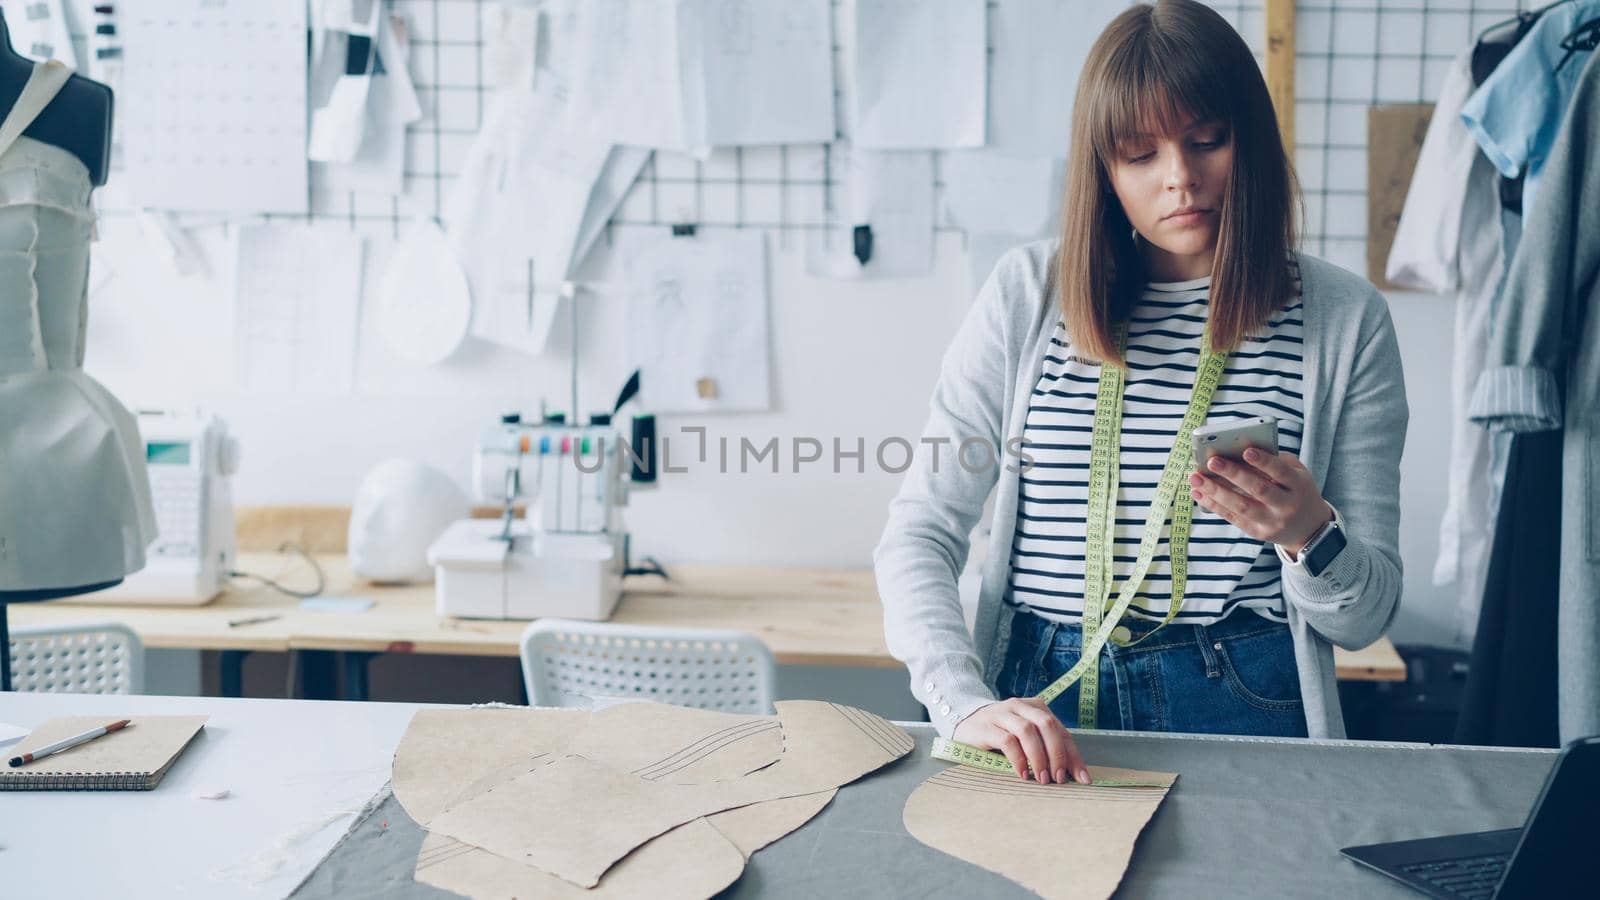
point(967, 754)
point(1100, 532)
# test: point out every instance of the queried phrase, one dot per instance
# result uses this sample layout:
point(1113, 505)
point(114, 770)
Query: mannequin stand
point(9, 597)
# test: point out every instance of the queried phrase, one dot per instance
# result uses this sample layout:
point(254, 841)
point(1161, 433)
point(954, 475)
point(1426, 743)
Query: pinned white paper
point(510, 44)
point(920, 74)
point(986, 191)
point(621, 171)
point(239, 145)
point(693, 74)
point(378, 166)
point(888, 191)
point(1039, 49)
point(756, 73)
point(339, 122)
point(518, 252)
point(697, 321)
point(424, 304)
point(297, 293)
point(628, 76)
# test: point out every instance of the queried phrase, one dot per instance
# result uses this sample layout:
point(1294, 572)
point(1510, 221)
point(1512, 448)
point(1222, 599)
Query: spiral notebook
point(133, 759)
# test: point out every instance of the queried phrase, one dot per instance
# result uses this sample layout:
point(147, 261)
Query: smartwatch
point(1323, 547)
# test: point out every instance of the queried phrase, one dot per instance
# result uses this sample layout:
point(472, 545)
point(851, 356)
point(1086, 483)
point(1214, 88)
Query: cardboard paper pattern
point(693, 860)
point(1059, 841)
point(623, 796)
point(678, 745)
point(752, 827)
point(593, 814)
point(446, 755)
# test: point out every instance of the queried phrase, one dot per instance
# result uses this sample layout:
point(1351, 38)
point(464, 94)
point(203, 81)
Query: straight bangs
point(1152, 71)
point(1150, 90)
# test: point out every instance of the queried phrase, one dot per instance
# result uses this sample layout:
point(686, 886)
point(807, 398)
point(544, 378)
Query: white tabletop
point(297, 773)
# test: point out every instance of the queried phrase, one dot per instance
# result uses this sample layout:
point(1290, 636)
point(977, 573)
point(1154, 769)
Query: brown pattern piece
point(1059, 840)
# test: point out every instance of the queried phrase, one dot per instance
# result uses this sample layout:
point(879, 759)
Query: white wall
point(849, 360)
point(1428, 614)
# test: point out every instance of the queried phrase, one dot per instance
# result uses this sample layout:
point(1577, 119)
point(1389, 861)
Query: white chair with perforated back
point(572, 663)
point(98, 658)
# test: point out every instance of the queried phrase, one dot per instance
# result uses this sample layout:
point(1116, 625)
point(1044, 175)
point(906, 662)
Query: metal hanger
point(1585, 37)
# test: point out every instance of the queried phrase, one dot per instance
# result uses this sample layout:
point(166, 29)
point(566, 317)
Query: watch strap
point(1302, 559)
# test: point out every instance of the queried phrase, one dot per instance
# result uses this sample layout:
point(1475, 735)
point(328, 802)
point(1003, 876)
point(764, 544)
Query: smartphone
point(1232, 439)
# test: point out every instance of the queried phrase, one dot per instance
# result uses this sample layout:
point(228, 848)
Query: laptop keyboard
point(1474, 877)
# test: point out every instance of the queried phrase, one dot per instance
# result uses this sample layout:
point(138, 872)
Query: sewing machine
point(190, 457)
point(565, 556)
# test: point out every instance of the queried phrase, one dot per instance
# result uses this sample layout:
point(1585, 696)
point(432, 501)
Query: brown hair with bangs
point(1151, 67)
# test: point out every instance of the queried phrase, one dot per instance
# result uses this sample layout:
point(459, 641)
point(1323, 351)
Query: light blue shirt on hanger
point(1515, 114)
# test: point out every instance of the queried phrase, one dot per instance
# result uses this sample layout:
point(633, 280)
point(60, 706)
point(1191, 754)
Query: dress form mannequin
point(77, 119)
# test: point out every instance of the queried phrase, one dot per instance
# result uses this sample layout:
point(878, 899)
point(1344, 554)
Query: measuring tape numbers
point(952, 751)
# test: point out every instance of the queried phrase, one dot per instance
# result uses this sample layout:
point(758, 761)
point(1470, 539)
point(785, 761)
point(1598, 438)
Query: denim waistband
point(1038, 630)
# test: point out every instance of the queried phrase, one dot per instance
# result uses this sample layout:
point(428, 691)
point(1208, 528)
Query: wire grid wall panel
point(78, 659)
point(570, 663)
point(1349, 54)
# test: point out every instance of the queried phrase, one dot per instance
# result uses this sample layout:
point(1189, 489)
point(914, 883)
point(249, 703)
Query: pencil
point(68, 743)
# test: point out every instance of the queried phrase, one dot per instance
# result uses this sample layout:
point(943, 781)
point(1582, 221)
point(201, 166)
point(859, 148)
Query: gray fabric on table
point(1247, 818)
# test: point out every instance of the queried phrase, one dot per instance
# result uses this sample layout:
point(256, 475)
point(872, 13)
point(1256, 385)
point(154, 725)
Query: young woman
point(1175, 258)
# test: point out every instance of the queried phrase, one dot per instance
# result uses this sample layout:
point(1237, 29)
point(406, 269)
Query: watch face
point(1325, 550)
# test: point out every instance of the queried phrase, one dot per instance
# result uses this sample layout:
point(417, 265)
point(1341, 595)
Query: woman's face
point(1171, 188)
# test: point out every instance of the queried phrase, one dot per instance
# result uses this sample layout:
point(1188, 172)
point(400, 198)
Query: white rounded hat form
point(402, 507)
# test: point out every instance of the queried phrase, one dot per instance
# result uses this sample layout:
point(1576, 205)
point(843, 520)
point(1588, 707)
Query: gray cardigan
point(1355, 426)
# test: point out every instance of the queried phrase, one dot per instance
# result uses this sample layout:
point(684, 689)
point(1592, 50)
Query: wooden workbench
point(812, 617)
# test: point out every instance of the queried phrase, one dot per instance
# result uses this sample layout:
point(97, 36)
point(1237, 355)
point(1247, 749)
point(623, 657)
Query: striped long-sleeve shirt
point(1228, 570)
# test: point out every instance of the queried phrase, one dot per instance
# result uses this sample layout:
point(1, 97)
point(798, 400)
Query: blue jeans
point(1237, 676)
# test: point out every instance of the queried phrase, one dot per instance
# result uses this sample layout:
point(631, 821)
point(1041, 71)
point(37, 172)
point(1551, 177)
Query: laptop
point(1550, 856)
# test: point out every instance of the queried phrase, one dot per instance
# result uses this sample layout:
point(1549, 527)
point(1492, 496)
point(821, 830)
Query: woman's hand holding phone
point(1270, 497)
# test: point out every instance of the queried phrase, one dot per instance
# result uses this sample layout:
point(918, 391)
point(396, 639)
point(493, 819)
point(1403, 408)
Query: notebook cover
point(134, 758)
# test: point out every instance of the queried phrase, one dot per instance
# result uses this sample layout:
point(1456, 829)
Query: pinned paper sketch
point(376, 161)
point(517, 211)
point(757, 73)
point(620, 172)
point(993, 192)
point(297, 293)
point(668, 801)
point(510, 44)
point(628, 74)
point(1059, 841)
point(424, 305)
point(1039, 49)
point(239, 145)
point(920, 74)
point(882, 202)
point(39, 30)
point(697, 321)
point(694, 74)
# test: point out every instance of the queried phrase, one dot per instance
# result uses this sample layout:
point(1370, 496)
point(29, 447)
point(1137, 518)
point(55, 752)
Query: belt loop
point(1047, 642)
point(1207, 652)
